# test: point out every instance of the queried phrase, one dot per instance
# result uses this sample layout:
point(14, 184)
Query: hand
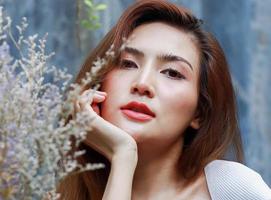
point(104, 137)
point(88, 101)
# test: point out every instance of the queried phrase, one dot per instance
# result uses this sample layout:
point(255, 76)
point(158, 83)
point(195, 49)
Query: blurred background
point(243, 28)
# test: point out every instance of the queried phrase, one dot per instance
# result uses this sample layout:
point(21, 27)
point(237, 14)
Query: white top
point(228, 180)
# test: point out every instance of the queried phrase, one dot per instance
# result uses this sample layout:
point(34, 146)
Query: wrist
point(127, 155)
point(119, 149)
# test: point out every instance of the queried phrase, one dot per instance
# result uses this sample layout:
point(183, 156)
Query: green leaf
point(97, 25)
point(85, 23)
point(88, 3)
point(93, 17)
point(101, 6)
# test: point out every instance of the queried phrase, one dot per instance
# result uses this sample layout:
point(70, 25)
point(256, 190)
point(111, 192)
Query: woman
point(165, 114)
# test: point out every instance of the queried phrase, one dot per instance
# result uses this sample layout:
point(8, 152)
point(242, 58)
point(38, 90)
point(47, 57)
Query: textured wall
point(58, 18)
point(258, 97)
point(242, 27)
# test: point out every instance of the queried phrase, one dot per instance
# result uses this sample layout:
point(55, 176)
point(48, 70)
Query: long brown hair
point(216, 109)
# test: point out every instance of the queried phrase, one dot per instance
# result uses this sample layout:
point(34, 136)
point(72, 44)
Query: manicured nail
point(101, 91)
point(100, 96)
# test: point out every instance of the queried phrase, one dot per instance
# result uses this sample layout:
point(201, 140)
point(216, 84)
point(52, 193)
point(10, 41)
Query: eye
point(173, 73)
point(127, 64)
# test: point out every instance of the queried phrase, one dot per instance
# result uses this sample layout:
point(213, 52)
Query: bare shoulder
point(228, 180)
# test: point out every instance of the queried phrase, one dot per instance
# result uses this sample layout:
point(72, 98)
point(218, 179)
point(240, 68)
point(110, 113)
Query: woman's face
point(159, 68)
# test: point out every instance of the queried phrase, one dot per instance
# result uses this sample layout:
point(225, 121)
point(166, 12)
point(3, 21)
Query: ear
point(195, 123)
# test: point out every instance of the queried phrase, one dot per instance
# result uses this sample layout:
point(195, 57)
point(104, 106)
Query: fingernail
point(101, 92)
point(100, 96)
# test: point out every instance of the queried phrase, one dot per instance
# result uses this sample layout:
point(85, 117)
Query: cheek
point(115, 89)
point(108, 86)
point(108, 80)
point(179, 104)
point(175, 116)
point(113, 82)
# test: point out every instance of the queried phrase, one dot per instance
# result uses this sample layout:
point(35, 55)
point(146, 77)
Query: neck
point(157, 171)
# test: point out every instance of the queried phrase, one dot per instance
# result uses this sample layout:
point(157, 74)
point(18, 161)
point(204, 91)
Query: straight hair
point(216, 107)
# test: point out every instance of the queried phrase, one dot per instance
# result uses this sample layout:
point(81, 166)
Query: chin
point(136, 130)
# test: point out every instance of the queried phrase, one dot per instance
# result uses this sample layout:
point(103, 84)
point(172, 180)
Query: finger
point(91, 95)
point(83, 100)
point(76, 109)
point(86, 97)
point(88, 94)
point(76, 106)
point(96, 108)
point(84, 103)
point(91, 91)
point(89, 98)
point(101, 92)
point(98, 98)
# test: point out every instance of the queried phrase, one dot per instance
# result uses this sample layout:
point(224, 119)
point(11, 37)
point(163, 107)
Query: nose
point(142, 85)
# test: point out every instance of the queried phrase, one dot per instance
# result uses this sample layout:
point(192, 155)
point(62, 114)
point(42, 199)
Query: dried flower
point(34, 134)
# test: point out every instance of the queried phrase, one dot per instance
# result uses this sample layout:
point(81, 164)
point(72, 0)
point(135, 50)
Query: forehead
point(160, 38)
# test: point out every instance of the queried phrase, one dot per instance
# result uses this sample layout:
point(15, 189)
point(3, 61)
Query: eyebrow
point(163, 57)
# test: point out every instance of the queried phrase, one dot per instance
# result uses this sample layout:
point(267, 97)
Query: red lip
point(138, 111)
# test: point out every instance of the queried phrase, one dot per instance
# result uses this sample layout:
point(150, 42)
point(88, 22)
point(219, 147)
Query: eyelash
point(124, 63)
point(178, 75)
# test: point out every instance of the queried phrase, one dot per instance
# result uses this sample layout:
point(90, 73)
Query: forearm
point(119, 185)
point(121, 150)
